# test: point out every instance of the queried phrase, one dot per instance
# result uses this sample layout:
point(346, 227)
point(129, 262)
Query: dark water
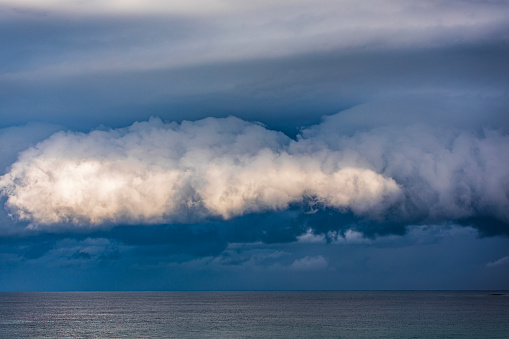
point(254, 315)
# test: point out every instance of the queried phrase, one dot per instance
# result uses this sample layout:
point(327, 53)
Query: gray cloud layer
point(81, 64)
point(172, 35)
point(155, 172)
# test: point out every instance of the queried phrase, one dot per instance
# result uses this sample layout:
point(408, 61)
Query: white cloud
point(444, 173)
point(499, 262)
point(310, 237)
point(309, 263)
point(349, 237)
point(153, 173)
point(18, 138)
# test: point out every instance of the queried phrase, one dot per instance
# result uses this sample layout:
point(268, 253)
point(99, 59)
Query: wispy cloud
point(499, 262)
point(309, 263)
point(199, 32)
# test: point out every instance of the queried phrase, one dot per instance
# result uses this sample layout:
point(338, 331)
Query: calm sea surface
point(255, 315)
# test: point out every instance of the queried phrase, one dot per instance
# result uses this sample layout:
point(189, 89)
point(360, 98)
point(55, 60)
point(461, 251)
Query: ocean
point(353, 314)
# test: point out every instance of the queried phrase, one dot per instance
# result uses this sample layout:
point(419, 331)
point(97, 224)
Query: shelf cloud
point(219, 144)
point(154, 172)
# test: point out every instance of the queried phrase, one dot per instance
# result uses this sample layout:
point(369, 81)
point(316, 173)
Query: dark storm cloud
point(422, 91)
point(470, 82)
point(426, 257)
point(282, 63)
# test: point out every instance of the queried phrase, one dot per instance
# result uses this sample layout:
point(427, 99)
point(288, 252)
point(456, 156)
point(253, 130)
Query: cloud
point(419, 148)
point(499, 262)
point(444, 173)
point(18, 138)
point(311, 238)
point(204, 32)
point(154, 172)
point(284, 64)
point(349, 237)
point(81, 255)
point(152, 257)
point(309, 263)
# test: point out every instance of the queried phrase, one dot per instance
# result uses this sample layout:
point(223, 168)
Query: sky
point(275, 145)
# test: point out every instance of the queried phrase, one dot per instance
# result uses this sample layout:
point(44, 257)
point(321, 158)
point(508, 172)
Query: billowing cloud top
point(154, 172)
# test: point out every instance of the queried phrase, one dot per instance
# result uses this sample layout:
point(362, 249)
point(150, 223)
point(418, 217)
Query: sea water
point(399, 314)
